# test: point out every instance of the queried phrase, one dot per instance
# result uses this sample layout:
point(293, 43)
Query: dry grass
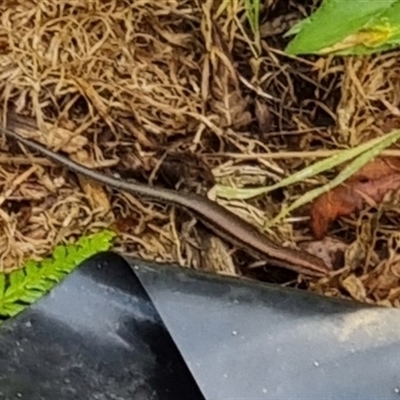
point(177, 94)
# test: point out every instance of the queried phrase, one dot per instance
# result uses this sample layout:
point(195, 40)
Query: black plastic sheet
point(117, 331)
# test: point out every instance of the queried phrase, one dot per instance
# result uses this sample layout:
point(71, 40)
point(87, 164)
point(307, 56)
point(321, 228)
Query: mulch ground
point(178, 94)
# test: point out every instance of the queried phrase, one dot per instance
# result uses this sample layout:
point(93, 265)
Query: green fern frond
point(21, 288)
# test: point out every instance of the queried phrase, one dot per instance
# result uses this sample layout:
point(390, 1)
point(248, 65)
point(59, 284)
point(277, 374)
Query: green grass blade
point(253, 14)
point(348, 171)
point(308, 172)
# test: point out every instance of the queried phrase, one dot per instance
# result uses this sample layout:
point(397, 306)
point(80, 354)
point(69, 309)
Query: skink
point(217, 218)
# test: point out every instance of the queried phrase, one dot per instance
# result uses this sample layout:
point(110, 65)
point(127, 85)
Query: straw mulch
point(177, 94)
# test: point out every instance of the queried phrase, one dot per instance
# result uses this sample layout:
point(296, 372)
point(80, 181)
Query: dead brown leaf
point(368, 186)
point(354, 287)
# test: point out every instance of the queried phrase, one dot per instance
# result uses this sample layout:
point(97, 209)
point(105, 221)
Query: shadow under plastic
point(130, 330)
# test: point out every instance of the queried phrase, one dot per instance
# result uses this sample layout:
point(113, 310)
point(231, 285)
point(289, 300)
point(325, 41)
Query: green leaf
point(23, 287)
point(296, 28)
point(386, 28)
point(334, 21)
